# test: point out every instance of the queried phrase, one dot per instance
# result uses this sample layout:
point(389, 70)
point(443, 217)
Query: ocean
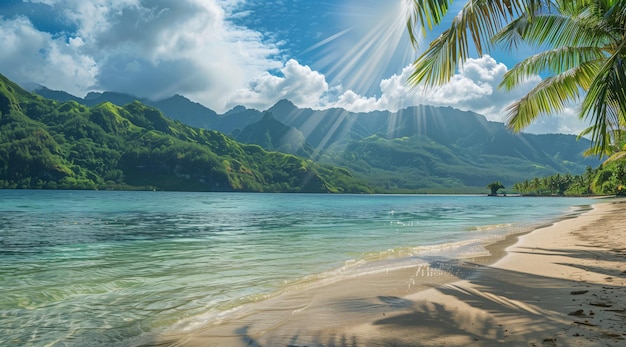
point(113, 268)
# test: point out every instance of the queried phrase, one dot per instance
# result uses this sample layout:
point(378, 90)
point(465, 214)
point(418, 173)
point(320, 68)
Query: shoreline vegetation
point(608, 179)
point(559, 284)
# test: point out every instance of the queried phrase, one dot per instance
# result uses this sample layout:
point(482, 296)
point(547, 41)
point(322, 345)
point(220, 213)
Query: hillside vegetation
point(420, 149)
point(50, 144)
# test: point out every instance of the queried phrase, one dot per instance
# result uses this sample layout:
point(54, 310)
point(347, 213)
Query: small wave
point(490, 227)
point(389, 260)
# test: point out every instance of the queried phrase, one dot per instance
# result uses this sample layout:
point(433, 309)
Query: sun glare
point(372, 45)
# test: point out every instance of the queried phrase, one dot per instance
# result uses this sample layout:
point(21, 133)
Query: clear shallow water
point(113, 268)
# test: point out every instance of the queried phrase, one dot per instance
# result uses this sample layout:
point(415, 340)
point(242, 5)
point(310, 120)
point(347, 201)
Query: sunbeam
point(372, 45)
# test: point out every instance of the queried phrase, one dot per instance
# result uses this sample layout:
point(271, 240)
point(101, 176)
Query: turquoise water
point(114, 268)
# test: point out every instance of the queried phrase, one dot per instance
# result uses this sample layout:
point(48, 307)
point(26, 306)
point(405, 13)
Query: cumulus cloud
point(566, 122)
point(150, 49)
point(474, 88)
point(35, 56)
point(297, 83)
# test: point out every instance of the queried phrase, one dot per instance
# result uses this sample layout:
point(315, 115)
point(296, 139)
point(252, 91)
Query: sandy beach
point(561, 285)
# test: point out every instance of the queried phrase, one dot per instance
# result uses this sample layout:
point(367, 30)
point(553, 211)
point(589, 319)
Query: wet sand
point(561, 285)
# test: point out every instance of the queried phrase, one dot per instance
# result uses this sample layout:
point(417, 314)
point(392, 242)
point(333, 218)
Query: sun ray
point(372, 45)
point(327, 40)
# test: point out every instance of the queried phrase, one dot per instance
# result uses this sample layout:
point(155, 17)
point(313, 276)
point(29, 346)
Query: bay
point(115, 268)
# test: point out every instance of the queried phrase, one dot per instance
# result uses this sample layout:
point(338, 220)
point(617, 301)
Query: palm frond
point(479, 20)
point(617, 14)
point(614, 157)
point(555, 61)
point(555, 30)
point(425, 14)
point(512, 35)
point(605, 102)
point(437, 65)
point(585, 52)
point(581, 30)
point(597, 151)
point(551, 95)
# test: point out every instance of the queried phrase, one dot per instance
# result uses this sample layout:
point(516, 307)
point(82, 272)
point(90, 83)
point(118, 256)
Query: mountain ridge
point(67, 145)
point(477, 151)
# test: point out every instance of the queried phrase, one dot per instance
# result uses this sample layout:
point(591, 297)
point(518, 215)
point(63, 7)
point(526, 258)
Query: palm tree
point(494, 187)
point(537, 185)
point(584, 56)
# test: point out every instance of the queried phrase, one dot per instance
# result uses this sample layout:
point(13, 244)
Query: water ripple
point(107, 268)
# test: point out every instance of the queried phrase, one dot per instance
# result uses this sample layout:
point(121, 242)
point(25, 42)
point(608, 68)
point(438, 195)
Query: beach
point(560, 285)
point(117, 268)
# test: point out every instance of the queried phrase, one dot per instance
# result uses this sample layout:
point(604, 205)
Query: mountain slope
point(273, 135)
point(176, 107)
point(429, 149)
point(47, 144)
point(182, 109)
point(477, 151)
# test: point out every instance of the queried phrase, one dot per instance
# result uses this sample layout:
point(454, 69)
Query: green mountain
point(50, 144)
point(431, 149)
point(273, 135)
point(418, 149)
point(176, 107)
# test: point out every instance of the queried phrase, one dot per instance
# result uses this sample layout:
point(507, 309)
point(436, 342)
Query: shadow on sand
point(499, 308)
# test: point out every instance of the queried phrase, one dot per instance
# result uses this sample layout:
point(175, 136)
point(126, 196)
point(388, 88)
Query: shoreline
point(521, 294)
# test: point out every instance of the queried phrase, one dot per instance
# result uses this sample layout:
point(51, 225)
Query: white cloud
point(566, 122)
point(299, 84)
point(34, 56)
point(150, 49)
point(474, 88)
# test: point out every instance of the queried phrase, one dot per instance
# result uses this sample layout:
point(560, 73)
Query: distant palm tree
point(584, 56)
point(494, 187)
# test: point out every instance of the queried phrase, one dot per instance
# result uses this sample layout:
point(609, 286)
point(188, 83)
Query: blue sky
point(353, 54)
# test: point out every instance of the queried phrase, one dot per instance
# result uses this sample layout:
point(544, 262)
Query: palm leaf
point(605, 102)
point(577, 31)
point(425, 13)
point(550, 95)
point(555, 61)
point(479, 20)
point(615, 156)
point(586, 55)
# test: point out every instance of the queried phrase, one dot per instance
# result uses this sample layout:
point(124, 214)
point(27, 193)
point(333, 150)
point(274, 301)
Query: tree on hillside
point(584, 55)
point(494, 187)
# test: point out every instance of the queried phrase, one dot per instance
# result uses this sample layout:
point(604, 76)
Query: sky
point(353, 54)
